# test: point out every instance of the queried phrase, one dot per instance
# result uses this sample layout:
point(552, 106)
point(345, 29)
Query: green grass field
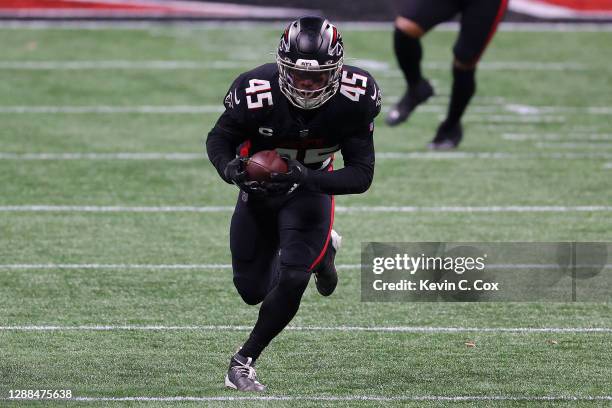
point(538, 138)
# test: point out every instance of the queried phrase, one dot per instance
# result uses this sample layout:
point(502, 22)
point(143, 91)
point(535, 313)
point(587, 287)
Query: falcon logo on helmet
point(309, 58)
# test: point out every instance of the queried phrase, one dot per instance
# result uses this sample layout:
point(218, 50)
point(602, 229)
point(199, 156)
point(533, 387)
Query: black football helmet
point(309, 58)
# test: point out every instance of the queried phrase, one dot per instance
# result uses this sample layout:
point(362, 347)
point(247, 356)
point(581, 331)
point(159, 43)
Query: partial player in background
point(307, 106)
point(478, 23)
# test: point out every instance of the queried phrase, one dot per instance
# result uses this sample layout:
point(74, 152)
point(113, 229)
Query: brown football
point(262, 164)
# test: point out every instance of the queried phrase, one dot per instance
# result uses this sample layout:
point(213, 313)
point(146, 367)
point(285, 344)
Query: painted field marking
point(177, 109)
point(103, 156)
point(213, 266)
point(122, 65)
point(578, 136)
point(339, 209)
point(331, 398)
point(249, 25)
point(504, 112)
point(572, 145)
point(373, 65)
point(516, 119)
point(176, 156)
point(380, 329)
point(94, 266)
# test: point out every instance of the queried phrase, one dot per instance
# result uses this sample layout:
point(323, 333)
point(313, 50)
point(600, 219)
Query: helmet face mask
point(309, 58)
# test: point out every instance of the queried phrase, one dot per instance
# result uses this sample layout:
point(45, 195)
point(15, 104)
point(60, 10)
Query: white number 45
point(261, 89)
point(350, 88)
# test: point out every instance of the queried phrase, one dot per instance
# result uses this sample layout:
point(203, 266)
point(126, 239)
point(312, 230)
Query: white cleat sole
point(336, 240)
point(229, 384)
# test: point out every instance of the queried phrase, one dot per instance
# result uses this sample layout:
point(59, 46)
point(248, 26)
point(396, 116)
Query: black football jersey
point(259, 117)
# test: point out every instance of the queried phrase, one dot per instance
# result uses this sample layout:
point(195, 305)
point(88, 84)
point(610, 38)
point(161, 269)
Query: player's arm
point(229, 131)
point(358, 171)
point(354, 178)
point(358, 145)
point(222, 142)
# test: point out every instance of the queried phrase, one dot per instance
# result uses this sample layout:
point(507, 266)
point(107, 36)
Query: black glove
point(234, 172)
point(296, 175)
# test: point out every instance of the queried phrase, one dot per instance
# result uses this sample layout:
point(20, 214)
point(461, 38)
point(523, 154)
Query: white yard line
point(248, 25)
point(380, 66)
point(332, 398)
point(516, 66)
point(608, 166)
point(572, 145)
point(513, 118)
point(529, 27)
point(339, 209)
point(587, 136)
point(129, 266)
point(175, 109)
point(211, 266)
point(513, 112)
point(379, 329)
point(366, 398)
point(115, 209)
point(176, 156)
point(522, 109)
point(102, 156)
point(122, 64)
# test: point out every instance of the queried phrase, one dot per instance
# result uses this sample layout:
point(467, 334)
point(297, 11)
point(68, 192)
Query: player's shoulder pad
point(360, 88)
point(252, 90)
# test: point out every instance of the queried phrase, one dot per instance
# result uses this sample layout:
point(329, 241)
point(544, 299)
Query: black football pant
point(478, 21)
point(275, 244)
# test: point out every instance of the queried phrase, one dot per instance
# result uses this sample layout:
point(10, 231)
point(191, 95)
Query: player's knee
point(294, 280)
point(295, 260)
point(409, 27)
point(297, 255)
point(249, 290)
point(465, 62)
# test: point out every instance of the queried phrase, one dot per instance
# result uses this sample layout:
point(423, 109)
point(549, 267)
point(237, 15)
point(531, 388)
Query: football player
point(478, 23)
point(307, 106)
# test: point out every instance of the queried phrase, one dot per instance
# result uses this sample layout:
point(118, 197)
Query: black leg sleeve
point(464, 87)
point(277, 310)
point(409, 52)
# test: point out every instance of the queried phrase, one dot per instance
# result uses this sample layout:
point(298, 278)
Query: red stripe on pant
point(331, 224)
point(498, 17)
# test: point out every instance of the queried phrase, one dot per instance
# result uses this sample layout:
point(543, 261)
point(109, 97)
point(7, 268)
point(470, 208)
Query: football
point(262, 164)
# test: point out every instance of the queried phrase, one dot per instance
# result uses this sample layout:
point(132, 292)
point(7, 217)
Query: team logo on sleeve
point(232, 99)
point(377, 97)
point(229, 100)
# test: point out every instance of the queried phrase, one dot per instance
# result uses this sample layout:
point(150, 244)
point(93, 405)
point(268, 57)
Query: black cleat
point(326, 277)
point(411, 99)
point(241, 375)
point(447, 138)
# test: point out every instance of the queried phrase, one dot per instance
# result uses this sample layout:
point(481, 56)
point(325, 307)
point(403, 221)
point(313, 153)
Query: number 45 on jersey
point(259, 92)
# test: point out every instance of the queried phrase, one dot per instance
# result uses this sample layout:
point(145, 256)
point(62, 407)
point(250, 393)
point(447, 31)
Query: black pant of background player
point(478, 22)
point(275, 243)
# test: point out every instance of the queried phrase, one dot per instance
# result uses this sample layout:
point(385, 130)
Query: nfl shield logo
point(304, 133)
